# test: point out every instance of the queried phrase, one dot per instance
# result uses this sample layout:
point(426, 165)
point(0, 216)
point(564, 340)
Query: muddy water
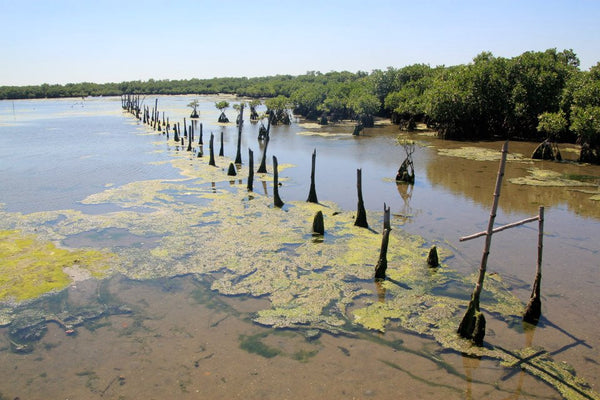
point(183, 341)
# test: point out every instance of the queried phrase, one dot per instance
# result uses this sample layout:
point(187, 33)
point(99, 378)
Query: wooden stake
point(472, 325)
point(361, 216)
point(238, 156)
point(276, 199)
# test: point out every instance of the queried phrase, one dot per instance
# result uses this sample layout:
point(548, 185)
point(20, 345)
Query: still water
point(172, 335)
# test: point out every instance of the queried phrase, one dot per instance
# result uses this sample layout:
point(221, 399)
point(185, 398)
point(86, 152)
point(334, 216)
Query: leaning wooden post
point(534, 307)
point(276, 199)
point(262, 169)
point(472, 325)
point(361, 216)
point(381, 266)
point(312, 194)
point(238, 156)
point(211, 160)
point(250, 169)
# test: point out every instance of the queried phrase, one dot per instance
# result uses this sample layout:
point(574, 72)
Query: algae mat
point(208, 224)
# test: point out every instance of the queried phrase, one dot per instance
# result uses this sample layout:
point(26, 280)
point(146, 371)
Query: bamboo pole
point(500, 228)
point(472, 325)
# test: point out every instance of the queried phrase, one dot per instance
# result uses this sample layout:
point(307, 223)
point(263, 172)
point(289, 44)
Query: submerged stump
point(432, 258)
point(231, 170)
point(211, 160)
point(262, 168)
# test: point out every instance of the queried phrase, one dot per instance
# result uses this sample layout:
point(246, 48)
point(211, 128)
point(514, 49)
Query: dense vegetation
point(534, 96)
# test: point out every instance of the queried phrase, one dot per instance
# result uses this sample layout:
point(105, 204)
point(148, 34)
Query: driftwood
point(381, 266)
point(361, 216)
point(312, 194)
point(276, 199)
point(472, 325)
point(250, 168)
point(318, 226)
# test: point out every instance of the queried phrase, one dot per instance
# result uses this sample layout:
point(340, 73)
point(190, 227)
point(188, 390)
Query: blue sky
point(64, 41)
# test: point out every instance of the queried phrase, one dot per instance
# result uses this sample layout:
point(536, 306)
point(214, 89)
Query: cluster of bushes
point(534, 96)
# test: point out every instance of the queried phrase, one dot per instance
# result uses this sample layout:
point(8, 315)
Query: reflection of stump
point(432, 258)
point(318, 226)
point(276, 199)
point(361, 216)
point(312, 195)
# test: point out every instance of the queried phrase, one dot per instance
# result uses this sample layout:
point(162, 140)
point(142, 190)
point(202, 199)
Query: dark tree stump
point(211, 160)
point(381, 266)
point(276, 199)
point(318, 226)
point(238, 155)
point(221, 151)
point(200, 139)
point(250, 169)
point(231, 170)
point(262, 169)
point(312, 194)
point(546, 151)
point(223, 118)
point(358, 129)
point(432, 258)
point(361, 216)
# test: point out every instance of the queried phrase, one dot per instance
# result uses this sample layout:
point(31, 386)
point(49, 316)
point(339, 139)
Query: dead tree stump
point(276, 199)
point(250, 169)
point(381, 266)
point(221, 151)
point(231, 170)
point(238, 156)
point(312, 194)
point(361, 216)
point(211, 160)
point(262, 169)
point(533, 311)
point(200, 140)
point(318, 226)
point(432, 258)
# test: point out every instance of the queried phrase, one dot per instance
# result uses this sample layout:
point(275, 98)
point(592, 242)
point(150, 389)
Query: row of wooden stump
point(473, 324)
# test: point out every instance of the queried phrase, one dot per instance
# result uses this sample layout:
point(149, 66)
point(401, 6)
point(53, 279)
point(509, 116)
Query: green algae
point(31, 267)
point(542, 177)
point(477, 154)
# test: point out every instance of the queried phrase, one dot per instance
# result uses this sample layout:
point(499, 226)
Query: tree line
point(534, 96)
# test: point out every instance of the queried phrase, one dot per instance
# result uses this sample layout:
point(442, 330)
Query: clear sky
point(62, 41)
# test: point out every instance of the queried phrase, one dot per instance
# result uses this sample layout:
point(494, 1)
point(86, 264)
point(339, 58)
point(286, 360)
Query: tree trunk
point(381, 266)
point(262, 169)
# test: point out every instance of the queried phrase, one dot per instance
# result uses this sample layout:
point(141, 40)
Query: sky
point(71, 41)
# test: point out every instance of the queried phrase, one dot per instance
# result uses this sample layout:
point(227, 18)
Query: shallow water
point(181, 339)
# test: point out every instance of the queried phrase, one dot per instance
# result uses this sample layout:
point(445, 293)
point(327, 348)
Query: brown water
point(184, 341)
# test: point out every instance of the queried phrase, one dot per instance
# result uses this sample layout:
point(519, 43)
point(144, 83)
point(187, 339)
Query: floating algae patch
point(31, 267)
point(543, 177)
point(478, 154)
